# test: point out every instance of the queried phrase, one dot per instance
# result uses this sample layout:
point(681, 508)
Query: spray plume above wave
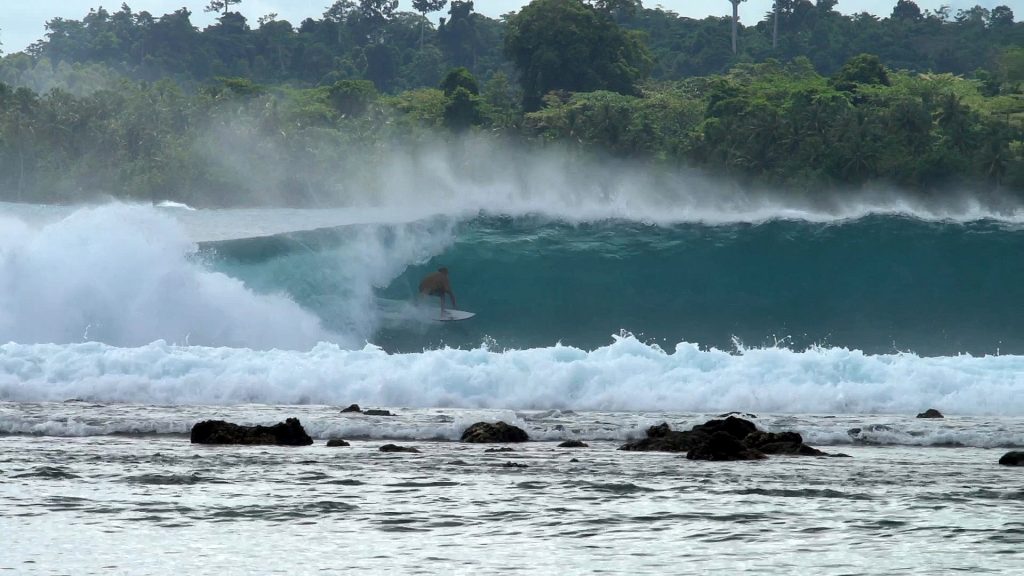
point(462, 179)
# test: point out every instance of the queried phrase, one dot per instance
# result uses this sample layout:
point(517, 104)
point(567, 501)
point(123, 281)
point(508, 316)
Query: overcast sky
point(22, 21)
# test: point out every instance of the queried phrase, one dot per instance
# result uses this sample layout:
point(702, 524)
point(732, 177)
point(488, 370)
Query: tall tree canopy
point(568, 45)
point(221, 6)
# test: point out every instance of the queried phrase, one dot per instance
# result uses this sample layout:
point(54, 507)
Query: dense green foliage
point(371, 40)
point(567, 45)
point(152, 108)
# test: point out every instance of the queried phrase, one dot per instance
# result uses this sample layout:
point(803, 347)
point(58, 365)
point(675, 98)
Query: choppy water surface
point(89, 502)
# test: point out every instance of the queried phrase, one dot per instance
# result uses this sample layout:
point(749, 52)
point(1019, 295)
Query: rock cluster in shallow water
point(729, 439)
point(482, 432)
point(287, 433)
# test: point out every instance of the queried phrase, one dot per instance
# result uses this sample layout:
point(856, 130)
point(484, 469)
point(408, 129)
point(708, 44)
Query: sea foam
point(626, 375)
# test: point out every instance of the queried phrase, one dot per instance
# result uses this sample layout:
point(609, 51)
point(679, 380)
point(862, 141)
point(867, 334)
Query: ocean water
point(123, 325)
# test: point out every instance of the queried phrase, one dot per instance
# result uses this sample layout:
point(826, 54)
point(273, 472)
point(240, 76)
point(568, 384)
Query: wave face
point(878, 284)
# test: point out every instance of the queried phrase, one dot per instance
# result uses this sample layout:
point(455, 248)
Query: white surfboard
point(451, 315)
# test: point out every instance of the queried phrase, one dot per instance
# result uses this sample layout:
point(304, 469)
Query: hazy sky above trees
point(22, 21)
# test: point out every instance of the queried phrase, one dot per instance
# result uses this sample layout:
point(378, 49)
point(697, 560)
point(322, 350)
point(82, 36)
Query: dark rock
point(498, 432)
point(723, 446)
point(738, 428)
point(659, 431)
point(740, 414)
point(673, 441)
point(514, 465)
point(930, 413)
point(352, 408)
point(857, 434)
point(377, 413)
point(287, 433)
point(791, 449)
point(757, 438)
point(574, 460)
point(711, 441)
point(1012, 459)
point(661, 438)
point(396, 448)
point(502, 449)
point(573, 444)
point(790, 443)
point(838, 455)
point(336, 442)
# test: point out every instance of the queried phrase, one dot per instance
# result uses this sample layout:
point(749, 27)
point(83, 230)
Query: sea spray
point(127, 276)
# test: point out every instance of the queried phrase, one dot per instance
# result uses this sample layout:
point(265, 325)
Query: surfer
point(437, 284)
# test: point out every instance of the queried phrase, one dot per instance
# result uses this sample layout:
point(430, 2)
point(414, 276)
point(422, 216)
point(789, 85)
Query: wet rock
point(377, 413)
point(498, 432)
point(333, 442)
point(502, 449)
point(574, 460)
point(659, 431)
point(662, 438)
point(930, 413)
point(1012, 459)
point(736, 427)
point(738, 414)
point(352, 408)
point(790, 443)
point(857, 434)
point(758, 438)
point(710, 441)
point(573, 444)
point(723, 446)
point(287, 433)
point(514, 465)
point(396, 448)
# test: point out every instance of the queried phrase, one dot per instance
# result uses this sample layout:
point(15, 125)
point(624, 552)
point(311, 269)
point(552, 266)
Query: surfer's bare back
point(437, 284)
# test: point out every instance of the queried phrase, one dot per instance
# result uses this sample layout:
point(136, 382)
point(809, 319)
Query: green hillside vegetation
point(148, 108)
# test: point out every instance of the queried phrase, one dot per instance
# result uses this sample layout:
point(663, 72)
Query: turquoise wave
point(878, 284)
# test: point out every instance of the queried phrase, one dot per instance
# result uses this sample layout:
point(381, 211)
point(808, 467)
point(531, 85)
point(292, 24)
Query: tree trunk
point(775, 27)
point(21, 174)
point(735, 19)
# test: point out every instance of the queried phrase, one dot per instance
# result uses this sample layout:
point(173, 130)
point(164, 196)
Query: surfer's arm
point(448, 289)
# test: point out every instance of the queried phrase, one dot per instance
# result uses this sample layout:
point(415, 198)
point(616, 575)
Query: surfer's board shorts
point(437, 292)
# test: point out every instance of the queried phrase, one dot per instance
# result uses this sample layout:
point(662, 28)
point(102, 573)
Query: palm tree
point(424, 7)
point(735, 20)
point(775, 26)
